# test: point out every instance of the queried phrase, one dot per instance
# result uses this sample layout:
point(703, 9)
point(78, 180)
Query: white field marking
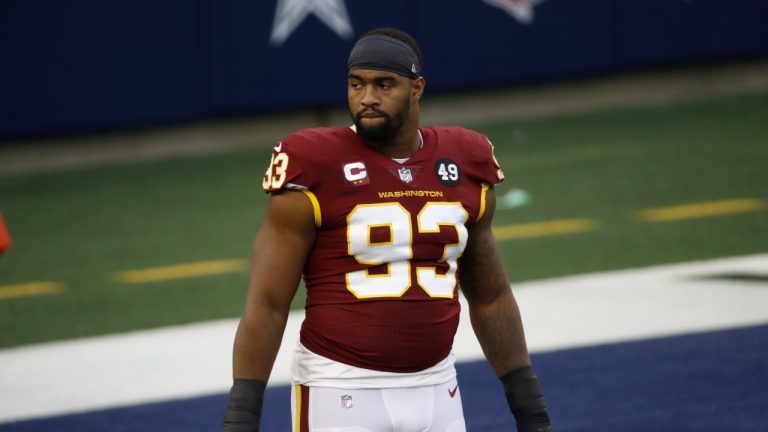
point(193, 360)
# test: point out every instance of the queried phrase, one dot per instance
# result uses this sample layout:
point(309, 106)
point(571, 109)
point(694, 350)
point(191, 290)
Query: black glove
point(526, 400)
point(244, 406)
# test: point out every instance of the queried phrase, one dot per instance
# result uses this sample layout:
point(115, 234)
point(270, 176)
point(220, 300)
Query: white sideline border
point(195, 359)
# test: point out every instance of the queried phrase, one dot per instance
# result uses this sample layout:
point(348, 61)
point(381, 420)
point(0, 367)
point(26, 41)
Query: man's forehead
point(374, 74)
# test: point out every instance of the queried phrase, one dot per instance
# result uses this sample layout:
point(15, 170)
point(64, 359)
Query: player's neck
point(403, 146)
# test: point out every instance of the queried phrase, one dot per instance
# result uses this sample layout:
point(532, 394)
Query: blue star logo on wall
point(521, 10)
point(291, 13)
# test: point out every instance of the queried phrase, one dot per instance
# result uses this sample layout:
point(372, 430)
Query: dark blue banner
point(73, 65)
point(83, 64)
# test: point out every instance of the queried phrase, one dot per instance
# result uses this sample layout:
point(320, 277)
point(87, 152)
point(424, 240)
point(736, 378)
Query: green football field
point(145, 244)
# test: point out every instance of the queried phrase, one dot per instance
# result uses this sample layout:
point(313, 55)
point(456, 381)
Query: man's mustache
point(360, 113)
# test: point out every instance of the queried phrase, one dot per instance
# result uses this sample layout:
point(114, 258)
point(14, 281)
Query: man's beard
point(385, 131)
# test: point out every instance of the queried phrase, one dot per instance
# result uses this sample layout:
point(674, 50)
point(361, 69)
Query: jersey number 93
point(396, 252)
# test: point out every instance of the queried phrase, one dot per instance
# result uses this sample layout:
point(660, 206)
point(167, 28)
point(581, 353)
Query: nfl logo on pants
point(346, 401)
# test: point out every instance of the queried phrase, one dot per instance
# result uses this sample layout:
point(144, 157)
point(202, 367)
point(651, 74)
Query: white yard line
point(191, 360)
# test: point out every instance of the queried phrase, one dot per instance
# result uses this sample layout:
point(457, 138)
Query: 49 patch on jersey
point(448, 172)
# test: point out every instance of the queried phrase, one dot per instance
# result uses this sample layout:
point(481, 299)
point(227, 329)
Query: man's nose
point(370, 96)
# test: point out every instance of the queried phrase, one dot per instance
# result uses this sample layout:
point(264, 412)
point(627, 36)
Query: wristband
point(244, 406)
point(526, 401)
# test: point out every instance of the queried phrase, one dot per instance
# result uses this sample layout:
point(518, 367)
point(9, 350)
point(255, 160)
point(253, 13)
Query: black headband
point(386, 53)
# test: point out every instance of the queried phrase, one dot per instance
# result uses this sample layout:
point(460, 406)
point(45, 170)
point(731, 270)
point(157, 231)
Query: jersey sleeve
point(485, 167)
point(289, 168)
point(495, 164)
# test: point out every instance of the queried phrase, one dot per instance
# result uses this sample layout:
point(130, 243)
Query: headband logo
point(414, 69)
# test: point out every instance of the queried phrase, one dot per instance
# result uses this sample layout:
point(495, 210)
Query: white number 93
point(396, 252)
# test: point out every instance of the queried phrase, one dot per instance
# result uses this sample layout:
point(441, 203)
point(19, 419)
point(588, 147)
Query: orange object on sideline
point(5, 237)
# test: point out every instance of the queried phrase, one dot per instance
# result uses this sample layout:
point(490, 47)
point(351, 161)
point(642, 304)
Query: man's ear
point(417, 89)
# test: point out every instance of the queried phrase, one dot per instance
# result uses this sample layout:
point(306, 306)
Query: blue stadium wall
point(80, 65)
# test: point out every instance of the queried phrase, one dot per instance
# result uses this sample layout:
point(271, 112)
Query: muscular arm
point(281, 247)
point(492, 307)
point(497, 324)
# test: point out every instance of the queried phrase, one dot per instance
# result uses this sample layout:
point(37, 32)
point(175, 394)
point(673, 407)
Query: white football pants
point(414, 409)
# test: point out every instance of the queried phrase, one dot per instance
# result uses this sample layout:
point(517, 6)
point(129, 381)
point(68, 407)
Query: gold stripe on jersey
point(483, 192)
point(315, 208)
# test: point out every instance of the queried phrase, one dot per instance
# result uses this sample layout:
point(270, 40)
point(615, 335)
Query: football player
point(384, 220)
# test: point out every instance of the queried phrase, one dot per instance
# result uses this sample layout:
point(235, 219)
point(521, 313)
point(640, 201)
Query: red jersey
point(382, 275)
